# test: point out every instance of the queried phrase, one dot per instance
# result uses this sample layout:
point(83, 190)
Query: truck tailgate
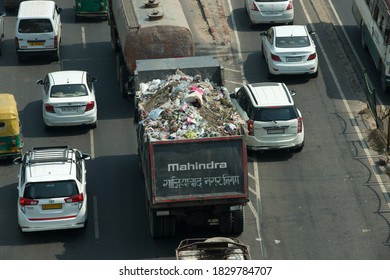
point(198, 169)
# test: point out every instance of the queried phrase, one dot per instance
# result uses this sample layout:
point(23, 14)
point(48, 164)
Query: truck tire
point(169, 226)
point(225, 223)
point(119, 62)
point(123, 75)
point(238, 221)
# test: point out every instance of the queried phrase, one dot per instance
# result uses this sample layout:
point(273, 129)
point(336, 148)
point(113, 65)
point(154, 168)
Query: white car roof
point(36, 9)
point(290, 30)
point(68, 77)
point(271, 94)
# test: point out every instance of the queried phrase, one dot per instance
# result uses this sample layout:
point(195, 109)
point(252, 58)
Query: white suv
point(52, 189)
point(273, 121)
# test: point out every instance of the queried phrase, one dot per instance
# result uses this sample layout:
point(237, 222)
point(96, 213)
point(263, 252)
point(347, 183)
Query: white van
point(38, 29)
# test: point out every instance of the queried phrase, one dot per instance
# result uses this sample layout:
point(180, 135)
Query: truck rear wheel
point(225, 223)
point(169, 226)
point(122, 80)
point(238, 221)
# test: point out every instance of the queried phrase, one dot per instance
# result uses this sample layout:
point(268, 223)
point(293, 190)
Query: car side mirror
point(85, 156)
point(94, 79)
point(312, 32)
point(232, 95)
point(59, 10)
point(40, 82)
point(17, 160)
point(263, 33)
point(292, 92)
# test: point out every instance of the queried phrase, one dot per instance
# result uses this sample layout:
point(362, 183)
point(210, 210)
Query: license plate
point(35, 44)
point(51, 206)
point(293, 59)
point(69, 109)
point(275, 131)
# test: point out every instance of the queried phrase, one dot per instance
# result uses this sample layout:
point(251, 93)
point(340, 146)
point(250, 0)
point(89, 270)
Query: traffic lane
point(313, 100)
point(42, 245)
point(363, 59)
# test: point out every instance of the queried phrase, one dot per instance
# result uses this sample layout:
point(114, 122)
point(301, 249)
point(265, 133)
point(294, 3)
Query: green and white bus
point(373, 18)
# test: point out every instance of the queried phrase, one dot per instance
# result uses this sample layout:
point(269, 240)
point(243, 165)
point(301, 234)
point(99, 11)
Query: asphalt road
point(323, 203)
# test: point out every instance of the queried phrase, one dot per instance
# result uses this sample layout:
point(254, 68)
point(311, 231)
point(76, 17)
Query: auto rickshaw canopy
point(9, 116)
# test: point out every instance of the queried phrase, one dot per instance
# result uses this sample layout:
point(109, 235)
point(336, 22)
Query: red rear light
point(275, 57)
point(90, 105)
point(312, 56)
point(75, 198)
point(290, 5)
point(17, 42)
point(27, 201)
point(49, 108)
point(254, 7)
point(250, 127)
point(300, 125)
point(55, 41)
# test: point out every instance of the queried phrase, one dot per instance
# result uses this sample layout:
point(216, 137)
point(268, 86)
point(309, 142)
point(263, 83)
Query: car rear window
point(35, 26)
point(292, 42)
point(54, 189)
point(72, 90)
point(284, 113)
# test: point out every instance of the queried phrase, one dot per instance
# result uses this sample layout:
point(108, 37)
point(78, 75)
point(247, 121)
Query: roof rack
point(50, 154)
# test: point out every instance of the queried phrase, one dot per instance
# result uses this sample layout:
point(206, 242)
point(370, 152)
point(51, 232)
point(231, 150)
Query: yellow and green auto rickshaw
point(11, 139)
point(90, 9)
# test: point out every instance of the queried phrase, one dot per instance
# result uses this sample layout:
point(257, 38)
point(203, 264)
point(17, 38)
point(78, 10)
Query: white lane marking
point(92, 143)
point(83, 40)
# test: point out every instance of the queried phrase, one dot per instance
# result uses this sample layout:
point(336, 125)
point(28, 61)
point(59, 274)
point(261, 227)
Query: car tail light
point(90, 105)
point(55, 41)
point(312, 56)
point(102, 6)
point(27, 201)
point(17, 42)
point(275, 57)
point(23, 202)
point(49, 108)
point(289, 6)
point(300, 125)
point(75, 198)
point(251, 127)
point(254, 7)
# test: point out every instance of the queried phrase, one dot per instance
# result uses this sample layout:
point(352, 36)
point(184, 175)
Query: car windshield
point(72, 90)
point(275, 114)
point(35, 26)
point(54, 189)
point(292, 42)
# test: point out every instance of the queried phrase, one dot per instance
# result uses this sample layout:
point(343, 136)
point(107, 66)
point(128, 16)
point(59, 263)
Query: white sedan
point(69, 99)
point(290, 49)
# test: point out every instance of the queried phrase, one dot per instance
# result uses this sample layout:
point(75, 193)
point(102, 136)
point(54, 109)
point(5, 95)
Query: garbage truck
point(191, 148)
point(146, 29)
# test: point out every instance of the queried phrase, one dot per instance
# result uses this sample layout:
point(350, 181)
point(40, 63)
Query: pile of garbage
point(186, 107)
